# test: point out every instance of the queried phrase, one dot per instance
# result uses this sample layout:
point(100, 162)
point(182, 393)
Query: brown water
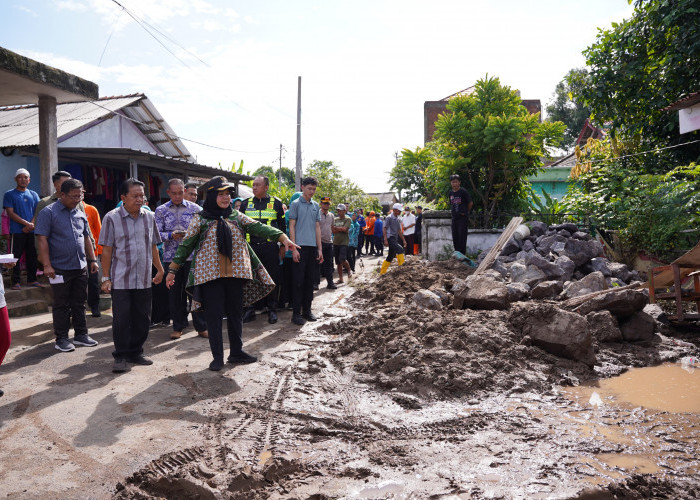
point(668, 387)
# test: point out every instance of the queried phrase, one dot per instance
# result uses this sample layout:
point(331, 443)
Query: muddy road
point(380, 399)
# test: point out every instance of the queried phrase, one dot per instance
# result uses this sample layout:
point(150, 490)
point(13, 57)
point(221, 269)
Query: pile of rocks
point(558, 261)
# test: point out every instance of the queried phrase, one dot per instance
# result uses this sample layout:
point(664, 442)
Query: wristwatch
point(106, 278)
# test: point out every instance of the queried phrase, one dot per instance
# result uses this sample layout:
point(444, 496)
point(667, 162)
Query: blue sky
point(366, 66)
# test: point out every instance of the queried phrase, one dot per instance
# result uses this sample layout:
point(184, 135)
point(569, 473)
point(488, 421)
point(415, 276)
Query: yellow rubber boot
point(401, 258)
point(385, 267)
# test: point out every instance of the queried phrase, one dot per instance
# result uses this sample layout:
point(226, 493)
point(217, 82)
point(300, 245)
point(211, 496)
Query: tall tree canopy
point(566, 107)
point(410, 175)
point(641, 65)
point(331, 183)
point(493, 143)
point(287, 174)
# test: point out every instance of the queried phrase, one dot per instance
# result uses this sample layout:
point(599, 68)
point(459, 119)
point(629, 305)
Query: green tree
point(639, 66)
point(410, 173)
point(566, 107)
point(269, 171)
point(331, 183)
point(493, 143)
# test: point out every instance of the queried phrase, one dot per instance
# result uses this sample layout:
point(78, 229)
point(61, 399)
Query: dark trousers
point(177, 301)
point(223, 297)
point(287, 271)
point(327, 266)
point(360, 242)
point(394, 248)
point(93, 290)
point(269, 255)
point(131, 316)
point(369, 243)
point(379, 244)
point(303, 278)
point(160, 310)
point(23, 243)
point(419, 241)
point(352, 257)
point(69, 302)
point(460, 231)
point(409, 244)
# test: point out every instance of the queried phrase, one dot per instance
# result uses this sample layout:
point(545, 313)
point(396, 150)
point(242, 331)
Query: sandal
point(16, 286)
point(36, 284)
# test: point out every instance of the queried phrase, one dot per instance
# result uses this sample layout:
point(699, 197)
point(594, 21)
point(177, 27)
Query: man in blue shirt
point(65, 250)
point(20, 204)
point(305, 231)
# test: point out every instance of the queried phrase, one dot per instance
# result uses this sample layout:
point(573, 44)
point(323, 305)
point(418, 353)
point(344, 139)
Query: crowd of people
point(223, 258)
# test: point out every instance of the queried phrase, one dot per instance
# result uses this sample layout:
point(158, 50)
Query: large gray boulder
point(555, 330)
point(517, 291)
point(567, 266)
point(511, 246)
point(604, 326)
point(640, 326)
point(663, 325)
point(537, 228)
point(601, 264)
point(580, 235)
point(579, 251)
point(544, 243)
point(427, 300)
point(620, 271)
point(594, 282)
point(551, 270)
point(567, 226)
point(481, 292)
point(530, 275)
point(620, 303)
point(547, 290)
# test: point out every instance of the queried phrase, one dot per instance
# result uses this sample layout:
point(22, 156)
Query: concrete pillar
point(48, 144)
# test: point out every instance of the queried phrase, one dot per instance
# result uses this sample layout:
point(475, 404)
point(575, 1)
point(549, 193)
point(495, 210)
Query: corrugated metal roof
point(19, 125)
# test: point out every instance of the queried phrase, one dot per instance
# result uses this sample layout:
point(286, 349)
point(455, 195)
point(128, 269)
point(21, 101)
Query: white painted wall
point(437, 237)
point(115, 132)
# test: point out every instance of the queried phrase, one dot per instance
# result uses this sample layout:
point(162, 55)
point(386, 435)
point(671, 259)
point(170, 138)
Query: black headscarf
point(223, 231)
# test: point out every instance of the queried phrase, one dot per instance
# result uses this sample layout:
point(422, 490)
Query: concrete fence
point(437, 236)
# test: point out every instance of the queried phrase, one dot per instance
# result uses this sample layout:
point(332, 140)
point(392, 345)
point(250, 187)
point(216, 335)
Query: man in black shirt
point(267, 210)
point(460, 205)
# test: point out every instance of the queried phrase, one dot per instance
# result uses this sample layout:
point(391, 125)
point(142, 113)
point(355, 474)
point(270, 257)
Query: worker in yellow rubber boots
point(392, 232)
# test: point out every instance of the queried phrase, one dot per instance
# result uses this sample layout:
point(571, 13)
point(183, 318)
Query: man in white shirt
point(408, 224)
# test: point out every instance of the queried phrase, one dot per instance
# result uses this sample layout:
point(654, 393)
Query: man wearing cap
point(408, 225)
point(327, 219)
point(341, 240)
point(392, 233)
point(20, 204)
point(267, 210)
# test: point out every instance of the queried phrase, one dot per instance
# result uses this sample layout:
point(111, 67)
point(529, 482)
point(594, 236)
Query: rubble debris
point(547, 290)
point(480, 292)
point(639, 326)
point(557, 331)
point(619, 302)
point(427, 300)
point(604, 326)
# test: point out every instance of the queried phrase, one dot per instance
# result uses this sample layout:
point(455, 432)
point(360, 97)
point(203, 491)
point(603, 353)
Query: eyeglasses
point(77, 197)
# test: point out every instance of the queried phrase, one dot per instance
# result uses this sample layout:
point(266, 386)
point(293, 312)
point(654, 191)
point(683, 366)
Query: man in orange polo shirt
point(369, 233)
point(93, 217)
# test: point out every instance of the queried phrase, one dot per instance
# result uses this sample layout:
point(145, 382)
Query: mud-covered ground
point(386, 400)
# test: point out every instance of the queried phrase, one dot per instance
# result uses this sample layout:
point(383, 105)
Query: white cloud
point(71, 5)
point(26, 10)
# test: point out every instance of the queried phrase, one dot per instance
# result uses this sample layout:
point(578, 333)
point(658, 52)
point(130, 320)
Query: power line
point(655, 150)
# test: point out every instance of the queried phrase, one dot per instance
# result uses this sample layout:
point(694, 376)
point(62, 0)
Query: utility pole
point(280, 171)
point(297, 177)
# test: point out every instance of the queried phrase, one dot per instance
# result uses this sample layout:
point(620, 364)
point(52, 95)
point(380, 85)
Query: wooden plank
point(498, 247)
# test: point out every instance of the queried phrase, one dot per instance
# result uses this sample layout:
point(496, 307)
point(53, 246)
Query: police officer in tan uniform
point(267, 210)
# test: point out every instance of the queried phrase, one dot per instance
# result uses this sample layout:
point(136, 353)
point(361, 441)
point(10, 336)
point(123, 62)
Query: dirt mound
point(416, 274)
point(644, 486)
point(462, 353)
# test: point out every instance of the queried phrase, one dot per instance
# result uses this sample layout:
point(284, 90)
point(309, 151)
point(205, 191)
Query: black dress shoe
point(298, 320)
point(140, 360)
point(1, 393)
point(242, 358)
point(216, 365)
point(272, 317)
point(96, 312)
point(309, 316)
point(331, 286)
point(249, 316)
